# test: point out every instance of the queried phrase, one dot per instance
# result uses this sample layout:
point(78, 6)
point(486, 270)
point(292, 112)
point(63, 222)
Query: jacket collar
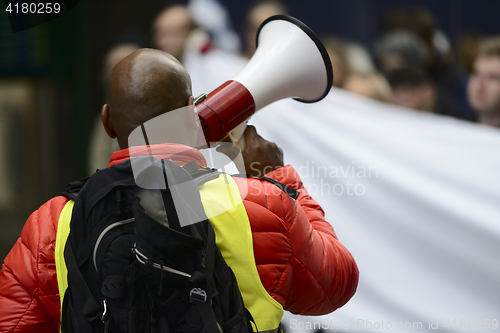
point(180, 154)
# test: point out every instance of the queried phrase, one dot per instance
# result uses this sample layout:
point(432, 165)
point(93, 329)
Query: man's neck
point(490, 118)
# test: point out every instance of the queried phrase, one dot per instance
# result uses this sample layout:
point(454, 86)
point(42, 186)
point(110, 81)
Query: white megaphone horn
point(290, 61)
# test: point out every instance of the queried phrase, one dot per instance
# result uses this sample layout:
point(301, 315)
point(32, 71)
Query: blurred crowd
point(412, 63)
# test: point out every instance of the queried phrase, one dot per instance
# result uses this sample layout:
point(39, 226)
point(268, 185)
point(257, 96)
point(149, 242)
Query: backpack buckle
point(198, 294)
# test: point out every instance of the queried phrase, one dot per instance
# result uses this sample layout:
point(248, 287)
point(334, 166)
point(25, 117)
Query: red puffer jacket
point(29, 297)
point(299, 259)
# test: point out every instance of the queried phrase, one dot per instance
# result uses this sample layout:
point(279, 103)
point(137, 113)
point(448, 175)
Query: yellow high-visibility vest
point(222, 203)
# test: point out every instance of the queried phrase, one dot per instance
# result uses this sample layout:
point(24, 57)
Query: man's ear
point(190, 100)
point(106, 121)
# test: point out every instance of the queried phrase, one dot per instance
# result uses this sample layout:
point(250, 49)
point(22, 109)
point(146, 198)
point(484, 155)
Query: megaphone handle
point(237, 135)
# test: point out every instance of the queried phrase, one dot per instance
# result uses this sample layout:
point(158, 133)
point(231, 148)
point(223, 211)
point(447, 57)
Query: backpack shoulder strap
point(66, 266)
point(292, 193)
point(92, 308)
point(74, 188)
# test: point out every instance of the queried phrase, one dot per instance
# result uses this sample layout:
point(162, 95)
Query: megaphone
point(290, 61)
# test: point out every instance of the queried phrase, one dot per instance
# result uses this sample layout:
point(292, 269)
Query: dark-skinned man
point(298, 263)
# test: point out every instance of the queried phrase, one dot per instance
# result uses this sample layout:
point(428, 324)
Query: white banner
point(415, 197)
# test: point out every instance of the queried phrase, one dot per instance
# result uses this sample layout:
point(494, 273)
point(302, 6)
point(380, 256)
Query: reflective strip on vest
point(61, 237)
point(222, 203)
point(234, 240)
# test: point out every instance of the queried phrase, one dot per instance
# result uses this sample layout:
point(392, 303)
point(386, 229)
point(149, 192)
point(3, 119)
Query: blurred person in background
point(440, 61)
point(404, 59)
point(175, 31)
point(422, 22)
point(483, 88)
point(214, 18)
point(413, 88)
point(401, 49)
point(372, 85)
point(171, 30)
point(353, 69)
point(337, 52)
point(258, 12)
point(101, 145)
point(359, 58)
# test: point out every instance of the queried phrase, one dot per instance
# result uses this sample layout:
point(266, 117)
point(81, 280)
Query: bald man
point(144, 85)
point(297, 262)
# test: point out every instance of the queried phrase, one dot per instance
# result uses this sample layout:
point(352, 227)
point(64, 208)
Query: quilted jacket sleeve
point(301, 262)
point(29, 296)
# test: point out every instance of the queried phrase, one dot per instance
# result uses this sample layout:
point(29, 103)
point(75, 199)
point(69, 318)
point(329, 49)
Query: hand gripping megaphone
point(290, 61)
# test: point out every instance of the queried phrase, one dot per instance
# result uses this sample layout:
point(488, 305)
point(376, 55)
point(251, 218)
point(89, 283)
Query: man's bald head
point(145, 84)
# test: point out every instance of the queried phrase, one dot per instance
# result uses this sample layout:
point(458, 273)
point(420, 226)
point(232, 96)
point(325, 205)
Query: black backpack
point(128, 271)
